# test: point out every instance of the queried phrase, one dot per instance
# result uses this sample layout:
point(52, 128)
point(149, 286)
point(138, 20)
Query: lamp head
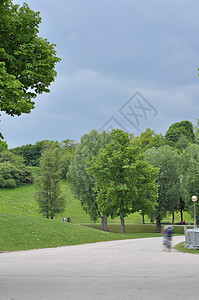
point(194, 198)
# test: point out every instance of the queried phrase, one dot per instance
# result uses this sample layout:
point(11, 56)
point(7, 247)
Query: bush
point(9, 183)
point(13, 171)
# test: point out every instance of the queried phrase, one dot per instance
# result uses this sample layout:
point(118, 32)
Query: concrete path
point(128, 269)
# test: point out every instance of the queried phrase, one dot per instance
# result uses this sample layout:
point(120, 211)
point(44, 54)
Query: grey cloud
point(109, 50)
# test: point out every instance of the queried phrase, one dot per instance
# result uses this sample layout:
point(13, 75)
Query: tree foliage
point(3, 145)
point(83, 183)
point(196, 132)
point(149, 139)
point(13, 171)
point(167, 160)
point(180, 134)
point(190, 176)
point(48, 195)
point(68, 144)
point(27, 61)
point(32, 153)
point(68, 148)
point(67, 156)
point(124, 181)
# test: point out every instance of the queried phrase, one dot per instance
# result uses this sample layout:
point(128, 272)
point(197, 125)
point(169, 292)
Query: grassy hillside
point(21, 201)
point(22, 228)
point(23, 233)
point(27, 232)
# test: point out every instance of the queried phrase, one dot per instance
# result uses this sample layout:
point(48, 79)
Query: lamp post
point(194, 199)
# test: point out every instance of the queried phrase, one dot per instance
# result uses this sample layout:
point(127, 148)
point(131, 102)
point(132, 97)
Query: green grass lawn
point(24, 233)
point(21, 201)
point(180, 247)
point(22, 228)
point(136, 228)
point(28, 232)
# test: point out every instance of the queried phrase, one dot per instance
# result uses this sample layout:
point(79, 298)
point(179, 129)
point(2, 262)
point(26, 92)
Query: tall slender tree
point(190, 177)
point(83, 183)
point(168, 180)
point(48, 194)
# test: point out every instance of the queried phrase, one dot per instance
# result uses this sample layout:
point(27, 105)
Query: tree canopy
point(167, 160)
point(196, 132)
point(32, 153)
point(180, 134)
point(83, 183)
point(190, 176)
point(27, 61)
point(13, 171)
point(149, 139)
point(48, 192)
point(125, 183)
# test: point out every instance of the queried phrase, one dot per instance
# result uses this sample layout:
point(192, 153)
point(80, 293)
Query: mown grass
point(24, 233)
point(23, 228)
point(180, 247)
point(136, 229)
point(21, 201)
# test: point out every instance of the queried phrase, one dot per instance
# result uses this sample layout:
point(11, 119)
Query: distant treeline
point(15, 163)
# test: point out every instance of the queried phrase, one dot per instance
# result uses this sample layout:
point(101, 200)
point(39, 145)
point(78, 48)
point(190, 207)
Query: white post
point(194, 199)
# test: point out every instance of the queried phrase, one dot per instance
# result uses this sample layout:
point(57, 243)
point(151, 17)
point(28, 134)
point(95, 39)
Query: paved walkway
point(128, 269)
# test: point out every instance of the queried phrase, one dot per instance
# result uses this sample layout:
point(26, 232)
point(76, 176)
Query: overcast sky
point(125, 63)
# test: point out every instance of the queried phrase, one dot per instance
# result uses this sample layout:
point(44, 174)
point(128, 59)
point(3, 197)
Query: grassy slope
point(23, 233)
point(21, 227)
point(20, 201)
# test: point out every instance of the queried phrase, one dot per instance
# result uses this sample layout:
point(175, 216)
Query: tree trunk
point(181, 213)
point(122, 222)
point(143, 219)
point(104, 223)
point(173, 217)
point(158, 224)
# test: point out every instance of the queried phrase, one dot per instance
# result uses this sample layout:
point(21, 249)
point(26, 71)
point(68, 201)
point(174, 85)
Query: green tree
point(13, 171)
point(48, 195)
point(167, 160)
point(124, 181)
point(68, 144)
point(83, 183)
point(32, 153)
point(180, 134)
point(149, 139)
point(68, 148)
point(27, 61)
point(196, 132)
point(67, 156)
point(190, 176)
point(3, 145)
point(182, 143)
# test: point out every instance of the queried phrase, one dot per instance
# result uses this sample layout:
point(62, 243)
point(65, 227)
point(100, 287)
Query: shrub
point(13, 171)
